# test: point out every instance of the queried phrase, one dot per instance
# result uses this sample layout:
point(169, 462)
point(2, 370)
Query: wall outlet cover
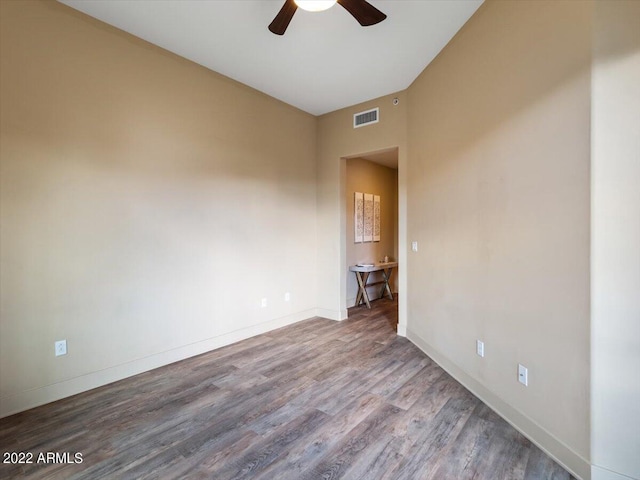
point(60, 347)
point(523, 375)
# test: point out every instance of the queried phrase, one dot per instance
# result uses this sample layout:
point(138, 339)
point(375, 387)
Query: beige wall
point(337, 140)
point(148, 205)
point(368, 177)
point(498, 199)
point(615, 237)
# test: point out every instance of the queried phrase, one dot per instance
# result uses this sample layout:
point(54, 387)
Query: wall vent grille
point(366, 118)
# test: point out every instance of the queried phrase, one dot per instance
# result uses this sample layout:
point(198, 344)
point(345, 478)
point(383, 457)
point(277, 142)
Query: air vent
point(366, 118)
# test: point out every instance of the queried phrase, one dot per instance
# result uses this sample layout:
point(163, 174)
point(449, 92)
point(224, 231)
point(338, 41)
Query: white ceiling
point(325, 61)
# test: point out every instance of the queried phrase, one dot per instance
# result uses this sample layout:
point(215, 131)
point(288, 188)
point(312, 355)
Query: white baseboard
point(578, 466)
point(402, 330)
point(599, 473)
point(20, 401)
point(337, 315)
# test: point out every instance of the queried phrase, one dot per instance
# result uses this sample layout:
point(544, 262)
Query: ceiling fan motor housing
point(365, 13)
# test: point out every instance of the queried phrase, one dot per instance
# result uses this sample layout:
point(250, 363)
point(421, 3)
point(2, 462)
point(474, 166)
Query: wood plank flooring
point(316, 400)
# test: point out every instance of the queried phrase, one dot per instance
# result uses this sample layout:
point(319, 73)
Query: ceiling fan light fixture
point(365, 13)
point(315, 5)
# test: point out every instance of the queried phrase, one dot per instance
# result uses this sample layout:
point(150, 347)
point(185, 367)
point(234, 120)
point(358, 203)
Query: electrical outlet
point(414, 246)
point(480, 348)
point(287, 297)
point(60, 347)
point(523, 375)
point(263, 303)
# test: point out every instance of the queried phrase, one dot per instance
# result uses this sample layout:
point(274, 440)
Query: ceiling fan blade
point(284, 16)
point(365, 13)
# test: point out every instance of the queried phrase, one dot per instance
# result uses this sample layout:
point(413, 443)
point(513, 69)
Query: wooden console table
point(362, 275)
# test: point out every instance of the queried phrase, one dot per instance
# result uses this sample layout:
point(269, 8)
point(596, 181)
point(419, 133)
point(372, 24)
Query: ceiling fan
point(365, 13)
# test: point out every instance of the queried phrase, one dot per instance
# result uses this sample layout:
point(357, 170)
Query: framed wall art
point(368, 217)
point(358, 216)
point(376, 218)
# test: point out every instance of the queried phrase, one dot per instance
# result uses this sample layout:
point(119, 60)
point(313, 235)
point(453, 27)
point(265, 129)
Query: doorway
point(372, 175)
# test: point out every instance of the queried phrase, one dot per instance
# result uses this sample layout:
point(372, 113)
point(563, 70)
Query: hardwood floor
point(316, 400)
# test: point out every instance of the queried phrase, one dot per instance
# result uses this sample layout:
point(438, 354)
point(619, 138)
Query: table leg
point(362, 292)
point(359, 296)
point(387, 277)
